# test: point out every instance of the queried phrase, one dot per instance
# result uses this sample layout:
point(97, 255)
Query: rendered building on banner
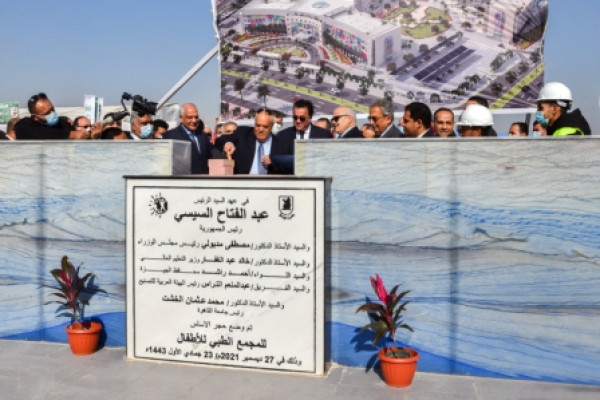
point(358, 36)
point(438, 52)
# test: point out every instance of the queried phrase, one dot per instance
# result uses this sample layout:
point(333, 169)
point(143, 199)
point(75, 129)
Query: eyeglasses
point(336, 117)
point(301, 118)
point(40, 96)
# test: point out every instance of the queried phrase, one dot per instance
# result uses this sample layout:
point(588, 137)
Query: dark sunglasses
point(336, 117)
point(299, 117)
point(374, 119)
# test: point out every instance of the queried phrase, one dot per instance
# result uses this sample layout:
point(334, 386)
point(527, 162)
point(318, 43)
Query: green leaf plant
point(386, 315)
point(73, 291)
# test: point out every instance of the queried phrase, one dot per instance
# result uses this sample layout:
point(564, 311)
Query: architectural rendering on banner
point(352, 52)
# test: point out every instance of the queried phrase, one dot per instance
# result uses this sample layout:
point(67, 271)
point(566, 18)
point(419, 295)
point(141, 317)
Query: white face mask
point(276, 127)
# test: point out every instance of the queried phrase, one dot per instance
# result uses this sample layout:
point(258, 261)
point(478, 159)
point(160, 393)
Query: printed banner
point(352, 52)
point(8, 111)
point(93, 107)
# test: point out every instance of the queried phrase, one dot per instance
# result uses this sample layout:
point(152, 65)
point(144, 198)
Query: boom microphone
point(115, 117)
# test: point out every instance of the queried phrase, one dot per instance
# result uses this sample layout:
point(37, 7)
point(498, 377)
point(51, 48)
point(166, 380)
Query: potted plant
point(398, 365)
point(74, 293)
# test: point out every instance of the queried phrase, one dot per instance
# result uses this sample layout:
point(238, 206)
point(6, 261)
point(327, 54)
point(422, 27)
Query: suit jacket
point(245, 147)
point(353, 133)
point(315, 133)
point(393, 132)
point(199, 157)
point(29, 129)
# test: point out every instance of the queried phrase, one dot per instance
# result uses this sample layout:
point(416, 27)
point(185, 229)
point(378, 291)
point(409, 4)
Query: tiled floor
point(33, 370)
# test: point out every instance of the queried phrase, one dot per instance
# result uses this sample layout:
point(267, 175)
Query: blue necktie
point(195, 140)
point(261, 168)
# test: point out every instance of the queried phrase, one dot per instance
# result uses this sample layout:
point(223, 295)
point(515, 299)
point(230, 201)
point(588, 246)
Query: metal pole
point(188, 76)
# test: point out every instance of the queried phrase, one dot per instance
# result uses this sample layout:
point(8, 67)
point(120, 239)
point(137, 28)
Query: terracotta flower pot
point(83, 337)
point(398, 372)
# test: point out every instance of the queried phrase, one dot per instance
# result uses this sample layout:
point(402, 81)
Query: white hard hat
point(556, 91)
point(476, 115)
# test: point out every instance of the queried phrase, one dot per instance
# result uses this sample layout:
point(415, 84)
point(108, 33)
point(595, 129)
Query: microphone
point(115, 117)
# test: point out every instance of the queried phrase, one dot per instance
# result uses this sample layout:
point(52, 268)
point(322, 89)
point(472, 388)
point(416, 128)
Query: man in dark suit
point(191, 129)
point(343, 121)
point(303, 128)
point(417, 120)
point(252, 148)
point(381, 115)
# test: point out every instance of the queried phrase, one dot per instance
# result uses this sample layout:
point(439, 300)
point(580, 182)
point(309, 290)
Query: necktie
point(261, 168)
point(195, 140)
point(301, 134)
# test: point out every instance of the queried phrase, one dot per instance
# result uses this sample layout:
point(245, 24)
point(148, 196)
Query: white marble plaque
point(226, 272)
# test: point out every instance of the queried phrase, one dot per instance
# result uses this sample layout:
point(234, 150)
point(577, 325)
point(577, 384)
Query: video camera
point(140, 105)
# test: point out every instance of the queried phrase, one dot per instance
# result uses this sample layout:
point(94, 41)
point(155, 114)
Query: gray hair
point(387, 107)
point(349, 111)
point(268, 112)
point(184, 105)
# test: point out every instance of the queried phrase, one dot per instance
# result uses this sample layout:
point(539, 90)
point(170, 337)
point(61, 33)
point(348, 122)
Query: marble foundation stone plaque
point(226, 272)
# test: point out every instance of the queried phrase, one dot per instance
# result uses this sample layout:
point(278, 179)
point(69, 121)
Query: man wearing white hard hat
point(553, 104)
point(476, 121)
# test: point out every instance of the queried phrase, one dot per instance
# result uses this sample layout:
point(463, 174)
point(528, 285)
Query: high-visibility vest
point(568, 130)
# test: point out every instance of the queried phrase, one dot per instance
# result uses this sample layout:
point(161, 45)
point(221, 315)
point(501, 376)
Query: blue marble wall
point(498, 241)
point(68, 198)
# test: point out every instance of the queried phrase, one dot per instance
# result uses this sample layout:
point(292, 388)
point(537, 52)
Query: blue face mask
point(535, 133)
point(539, 117)
point(147, 131)
point(52, 119)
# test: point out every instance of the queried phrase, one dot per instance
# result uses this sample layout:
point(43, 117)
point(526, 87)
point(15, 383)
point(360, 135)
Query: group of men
point(265, 148)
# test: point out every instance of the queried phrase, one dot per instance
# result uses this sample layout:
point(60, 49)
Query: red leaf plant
point(71, 289)
point(386, 315)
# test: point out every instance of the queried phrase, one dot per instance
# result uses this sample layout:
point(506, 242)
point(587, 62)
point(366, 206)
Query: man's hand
point(266, 160)
point(229, 149)
point(79, 135)
point(96, 131)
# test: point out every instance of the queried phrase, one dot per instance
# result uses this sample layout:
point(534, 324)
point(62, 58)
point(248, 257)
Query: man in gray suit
point(381, 115)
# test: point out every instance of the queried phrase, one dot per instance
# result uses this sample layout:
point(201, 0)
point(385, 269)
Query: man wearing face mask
point(44, 123)
point(142, 126)
point(553, 104)
point(277, 121)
